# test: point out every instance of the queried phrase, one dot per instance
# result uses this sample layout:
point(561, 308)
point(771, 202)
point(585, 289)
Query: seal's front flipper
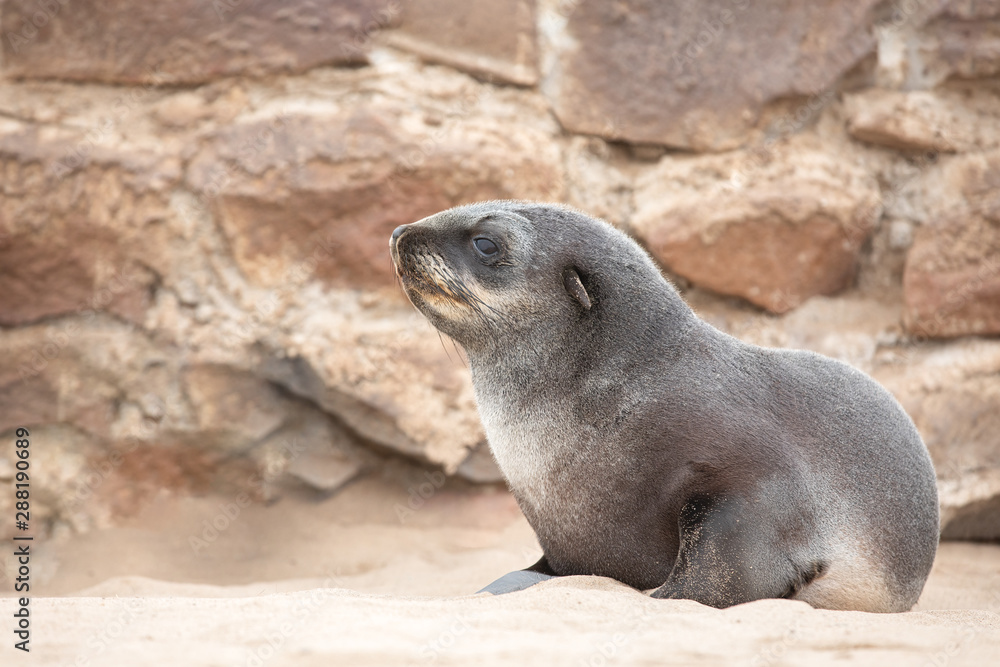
point(515, 581)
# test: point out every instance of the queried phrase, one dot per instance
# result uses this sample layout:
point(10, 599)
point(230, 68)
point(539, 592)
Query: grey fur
point(645, 445)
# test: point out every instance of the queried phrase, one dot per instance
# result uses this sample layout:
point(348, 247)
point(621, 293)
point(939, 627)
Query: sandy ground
point(347, 581)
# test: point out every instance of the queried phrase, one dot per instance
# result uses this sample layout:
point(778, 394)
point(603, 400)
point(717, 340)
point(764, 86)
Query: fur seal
point(645, 445)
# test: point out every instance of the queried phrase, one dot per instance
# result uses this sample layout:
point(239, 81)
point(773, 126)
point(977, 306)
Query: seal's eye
point(485, 247)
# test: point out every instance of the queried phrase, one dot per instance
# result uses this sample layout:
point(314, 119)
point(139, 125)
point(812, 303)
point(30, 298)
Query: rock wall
point(195, 290)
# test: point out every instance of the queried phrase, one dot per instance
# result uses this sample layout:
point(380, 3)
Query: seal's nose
point(397, 231)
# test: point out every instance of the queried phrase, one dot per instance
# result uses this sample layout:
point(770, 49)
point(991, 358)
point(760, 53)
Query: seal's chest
point(525, 450)
point(535, 447)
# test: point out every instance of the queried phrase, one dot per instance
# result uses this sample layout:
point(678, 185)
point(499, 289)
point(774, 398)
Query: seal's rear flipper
point(515, 581)
point(731, 552)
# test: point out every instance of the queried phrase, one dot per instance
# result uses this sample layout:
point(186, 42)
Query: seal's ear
point(574, 287)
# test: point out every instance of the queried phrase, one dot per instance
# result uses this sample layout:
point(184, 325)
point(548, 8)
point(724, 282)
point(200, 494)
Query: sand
point(343, 581)
point(582, 620)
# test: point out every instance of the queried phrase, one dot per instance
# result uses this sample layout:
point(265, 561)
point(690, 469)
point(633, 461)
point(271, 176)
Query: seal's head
point(499, 273)
point(476, 271)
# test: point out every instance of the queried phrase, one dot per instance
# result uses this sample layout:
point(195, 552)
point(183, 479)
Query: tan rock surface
point(386, 374)
point(952, 278)
point(495, 40)
point(335, 183)
point(77, 248)
point(965, 42)
point(183, 42)
point(234, 409)
point(695, 76)
point(597, 181)
point(303, 203)
point(774, 228)
point(915, 120)
point(953, 395)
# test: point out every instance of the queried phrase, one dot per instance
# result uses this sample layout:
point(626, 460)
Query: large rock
point(209, 301)
point(696, 75)
point(68, 270)
point(953, 394)
point(241, 413)
point(774, 226)
point(596, 182)
point(952, 278)
point(75, 231)
point(325, 189)
point(92, 372)
point(310, 449)
point(383, 371)
point(915, 120)
point(490, 39)
point(234, 409)
point(188, 41)
point(126, 419)
point(84, 386)
point(964, 42)
point(366, 358)
point(972, 9)
point(970, 506)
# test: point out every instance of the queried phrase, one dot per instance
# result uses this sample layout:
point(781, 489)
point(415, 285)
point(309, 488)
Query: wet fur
point(645, 445)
